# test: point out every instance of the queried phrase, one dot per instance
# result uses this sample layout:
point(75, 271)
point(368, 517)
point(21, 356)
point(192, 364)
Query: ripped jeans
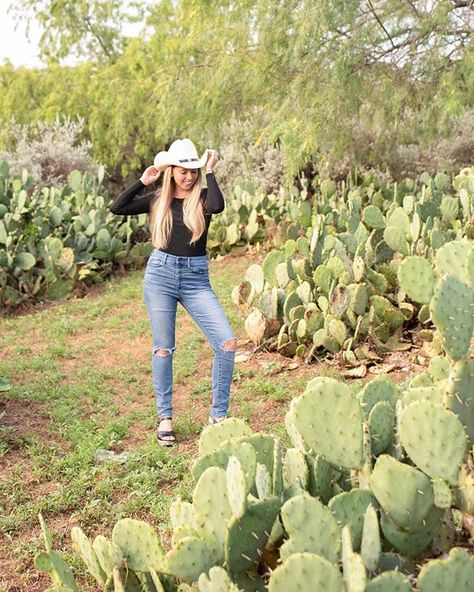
point(168, 280)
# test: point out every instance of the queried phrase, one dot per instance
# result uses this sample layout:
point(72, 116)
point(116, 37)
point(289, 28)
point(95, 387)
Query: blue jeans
point(168, 280)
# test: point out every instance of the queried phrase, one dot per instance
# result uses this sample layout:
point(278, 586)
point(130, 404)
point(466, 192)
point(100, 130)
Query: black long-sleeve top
point(213, 203)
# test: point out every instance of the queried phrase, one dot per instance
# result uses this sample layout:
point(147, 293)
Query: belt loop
point(166, 256)
point(189, 262)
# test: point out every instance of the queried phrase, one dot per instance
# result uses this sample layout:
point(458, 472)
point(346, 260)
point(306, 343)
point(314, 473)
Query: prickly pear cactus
point(306, 571)
point(311, 528)
point(434, 438)
point(329, 420)
point(454, 574)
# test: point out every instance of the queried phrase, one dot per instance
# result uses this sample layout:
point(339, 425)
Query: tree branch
point(372, 10)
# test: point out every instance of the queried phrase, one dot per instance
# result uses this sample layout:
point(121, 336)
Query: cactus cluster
point(51, 239)
point(349, 279)
point(332, 513)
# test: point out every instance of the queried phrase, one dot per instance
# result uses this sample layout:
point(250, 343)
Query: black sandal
point(166, 437)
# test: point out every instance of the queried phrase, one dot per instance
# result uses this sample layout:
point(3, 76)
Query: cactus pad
point(390, 581)
point(460, 394)
point(83, 547)
point(182, 513)
point(454, 574)
point(247, 536)
point(412, 543)
point(311, 528)
point(217, 581)
point(405, 493)
point(381, 427)
point(349, 508)
point(212, 509)
point(295, 470)
point(139, 543)
point(452, 308)
point(236, 487)
point(306, 571)
point(370, 547)
point(451, 259)
point(434, 438)
point(320, 477)
point(189, 559)
point(108, 554)
point(329, 419)
point(417, 279)
point(214, 435)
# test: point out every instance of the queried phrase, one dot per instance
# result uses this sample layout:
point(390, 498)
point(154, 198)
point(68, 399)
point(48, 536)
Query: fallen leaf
point(357, 372)
point(382, 368)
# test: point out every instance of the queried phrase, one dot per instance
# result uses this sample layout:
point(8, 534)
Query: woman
point(177, 270)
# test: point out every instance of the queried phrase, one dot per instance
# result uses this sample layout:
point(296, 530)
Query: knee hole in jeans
point(162, 353)
point(230, 345)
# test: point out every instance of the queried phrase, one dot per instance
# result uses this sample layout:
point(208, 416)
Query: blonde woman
point(177, 270)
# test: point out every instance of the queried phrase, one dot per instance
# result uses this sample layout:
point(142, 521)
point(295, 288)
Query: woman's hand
point(150, 175)
point(211, 161)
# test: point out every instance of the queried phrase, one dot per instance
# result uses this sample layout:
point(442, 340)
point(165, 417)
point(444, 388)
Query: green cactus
point(311, 528)
point(376, 391)
point(391, 581)
point(454, 574)
point(373, 217)
point(295, 472)
point(183, 531)
point(349, 508)
point(218, 580)
point(329, 420)
point(404, 493)
point(53, 563)
point(140, 544)
point(322, 278)
point(438, 456)
point(213, 436)
point(211, 493)
point(108, 554)
point(451, 259)
point(452, 313)
point(263, 482)
point(412, 543)
point(355, 575)
point(82, 545)
point(417, 279)
point(358, 298)
point(182, 513)
point(443, 496)
point(396, 239)
point(381, 427)
point(320, 477)
point(370, 548)
point(459, 394)
point(306, 571)
point(236, 487)
point(247, 536)
point(189, 559)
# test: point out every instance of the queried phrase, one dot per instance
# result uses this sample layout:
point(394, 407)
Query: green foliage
point(380, 93)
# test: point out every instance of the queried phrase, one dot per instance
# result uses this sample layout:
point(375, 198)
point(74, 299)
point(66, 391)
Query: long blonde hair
point(161, 216)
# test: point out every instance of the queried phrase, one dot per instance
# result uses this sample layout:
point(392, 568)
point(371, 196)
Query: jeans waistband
point(177, 260)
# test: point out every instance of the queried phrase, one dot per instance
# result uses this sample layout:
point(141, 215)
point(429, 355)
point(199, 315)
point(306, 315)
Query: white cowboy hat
point(181, 153)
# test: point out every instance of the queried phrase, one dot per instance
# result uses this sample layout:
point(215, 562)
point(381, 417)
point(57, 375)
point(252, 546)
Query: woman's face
point(185, 178)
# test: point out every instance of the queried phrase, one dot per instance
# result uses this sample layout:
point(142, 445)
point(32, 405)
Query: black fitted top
point(213, 203)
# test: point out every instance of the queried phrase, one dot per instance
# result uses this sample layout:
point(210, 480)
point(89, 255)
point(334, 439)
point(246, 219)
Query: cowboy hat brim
point(164, 159)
